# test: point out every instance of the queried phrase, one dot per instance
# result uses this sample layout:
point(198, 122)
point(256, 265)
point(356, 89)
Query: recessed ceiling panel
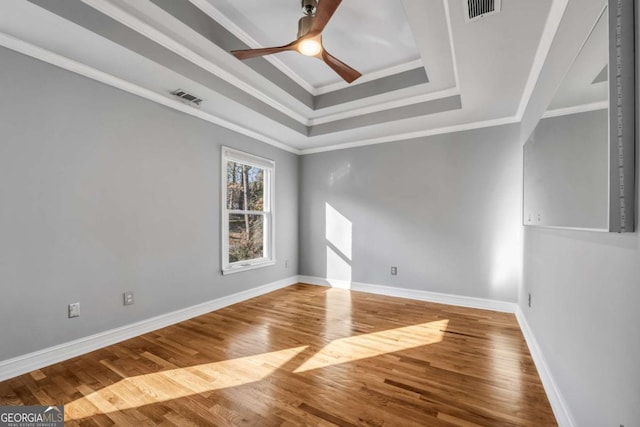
point(369, 36)
point(587, 79)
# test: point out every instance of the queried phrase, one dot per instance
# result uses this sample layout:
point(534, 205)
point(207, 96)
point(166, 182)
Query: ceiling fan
point(309, 41)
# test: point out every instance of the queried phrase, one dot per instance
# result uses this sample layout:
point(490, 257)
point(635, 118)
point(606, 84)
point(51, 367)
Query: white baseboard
point(558, 404)
point(39, 359)
point(26, 363)
point(458, 300)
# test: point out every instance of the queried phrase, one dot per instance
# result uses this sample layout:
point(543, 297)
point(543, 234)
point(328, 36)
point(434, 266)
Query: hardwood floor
point(305, 355)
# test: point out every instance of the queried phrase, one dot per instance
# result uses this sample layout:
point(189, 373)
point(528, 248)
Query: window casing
point(247, 211)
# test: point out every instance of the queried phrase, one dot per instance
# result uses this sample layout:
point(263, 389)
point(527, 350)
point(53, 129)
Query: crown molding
point(408, 99)
point(413, 135)
point(63, 62)
point(306, 116)
point(152, 33)
point(553, 20)
point(369, 77)
point(594, 106)
point(551, 26)
point(213, 13)
point(447, 13)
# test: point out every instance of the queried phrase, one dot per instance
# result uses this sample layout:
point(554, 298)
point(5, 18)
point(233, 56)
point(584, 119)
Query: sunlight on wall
point(375, 344)
point(338, 270)
point(506, 267)
point(338, 232)
point(508, 236)
point(176, 383)
point(339, 173)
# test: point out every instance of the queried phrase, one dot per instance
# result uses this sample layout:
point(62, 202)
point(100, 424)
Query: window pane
point(246, 235)
point(245, 187)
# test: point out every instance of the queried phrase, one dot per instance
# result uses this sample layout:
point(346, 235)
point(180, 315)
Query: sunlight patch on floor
point(172, 384)
point(162, 386)
point(359, 347)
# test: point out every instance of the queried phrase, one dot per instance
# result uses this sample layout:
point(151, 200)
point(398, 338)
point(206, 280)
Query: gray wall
point(103, 192)
point(446, 210)
point(577, 21)
point(566, 172)
point(585, 290)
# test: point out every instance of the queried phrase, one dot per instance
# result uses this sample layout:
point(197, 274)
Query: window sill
point(239, 267)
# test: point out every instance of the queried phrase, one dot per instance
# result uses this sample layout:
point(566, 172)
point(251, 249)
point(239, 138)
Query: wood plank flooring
point(304, 355)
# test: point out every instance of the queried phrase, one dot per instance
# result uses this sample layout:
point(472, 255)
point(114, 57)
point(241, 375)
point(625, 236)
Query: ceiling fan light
point(309, 47)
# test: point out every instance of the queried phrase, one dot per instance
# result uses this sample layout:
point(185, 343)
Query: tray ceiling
point(425, 69)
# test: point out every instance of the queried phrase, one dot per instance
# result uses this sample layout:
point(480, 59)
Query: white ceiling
point(578, 88)
point(369, 36)
point(479, 74)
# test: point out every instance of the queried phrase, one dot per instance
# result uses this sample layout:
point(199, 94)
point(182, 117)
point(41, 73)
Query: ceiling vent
point(478, 9)
point(187, 98)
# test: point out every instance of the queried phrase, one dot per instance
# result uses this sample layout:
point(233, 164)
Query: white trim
point(39, 359)
point(152, 33)
point(233, 269)
point(558, 404)
point(451, 44)
point(228, 154)
point(556, 13)
point(247, 158)
point(52, 58)
point(561, 227)
point(415, 294)
point(594, 106)
point(369, 77)
point(210, 10)
point(383, 106)
point(234, 29)
point(412, 135)
point(551, 25)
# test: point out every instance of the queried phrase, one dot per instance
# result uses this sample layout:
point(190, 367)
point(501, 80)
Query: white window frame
point(268, 245)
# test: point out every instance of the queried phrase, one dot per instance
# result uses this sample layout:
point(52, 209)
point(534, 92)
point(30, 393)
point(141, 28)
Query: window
point(247, 211)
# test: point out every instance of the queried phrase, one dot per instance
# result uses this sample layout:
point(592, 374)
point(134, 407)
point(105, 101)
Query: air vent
point(478, 9)
point(187, 98)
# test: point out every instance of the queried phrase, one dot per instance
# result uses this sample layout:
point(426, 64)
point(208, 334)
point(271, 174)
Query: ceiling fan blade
point(324, 12)
point(252, 53)
point(346, 72)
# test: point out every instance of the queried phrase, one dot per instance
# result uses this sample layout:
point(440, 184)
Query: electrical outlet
point(128, 298)
point(529, 302)
point(74, 310)
point(394, 271)
point(286, 263)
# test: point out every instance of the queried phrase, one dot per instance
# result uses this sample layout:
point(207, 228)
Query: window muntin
point(247, 211)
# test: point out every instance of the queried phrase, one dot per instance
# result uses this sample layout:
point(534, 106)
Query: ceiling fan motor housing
point(316, 16)
point(309, 7)
point(304, 25)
